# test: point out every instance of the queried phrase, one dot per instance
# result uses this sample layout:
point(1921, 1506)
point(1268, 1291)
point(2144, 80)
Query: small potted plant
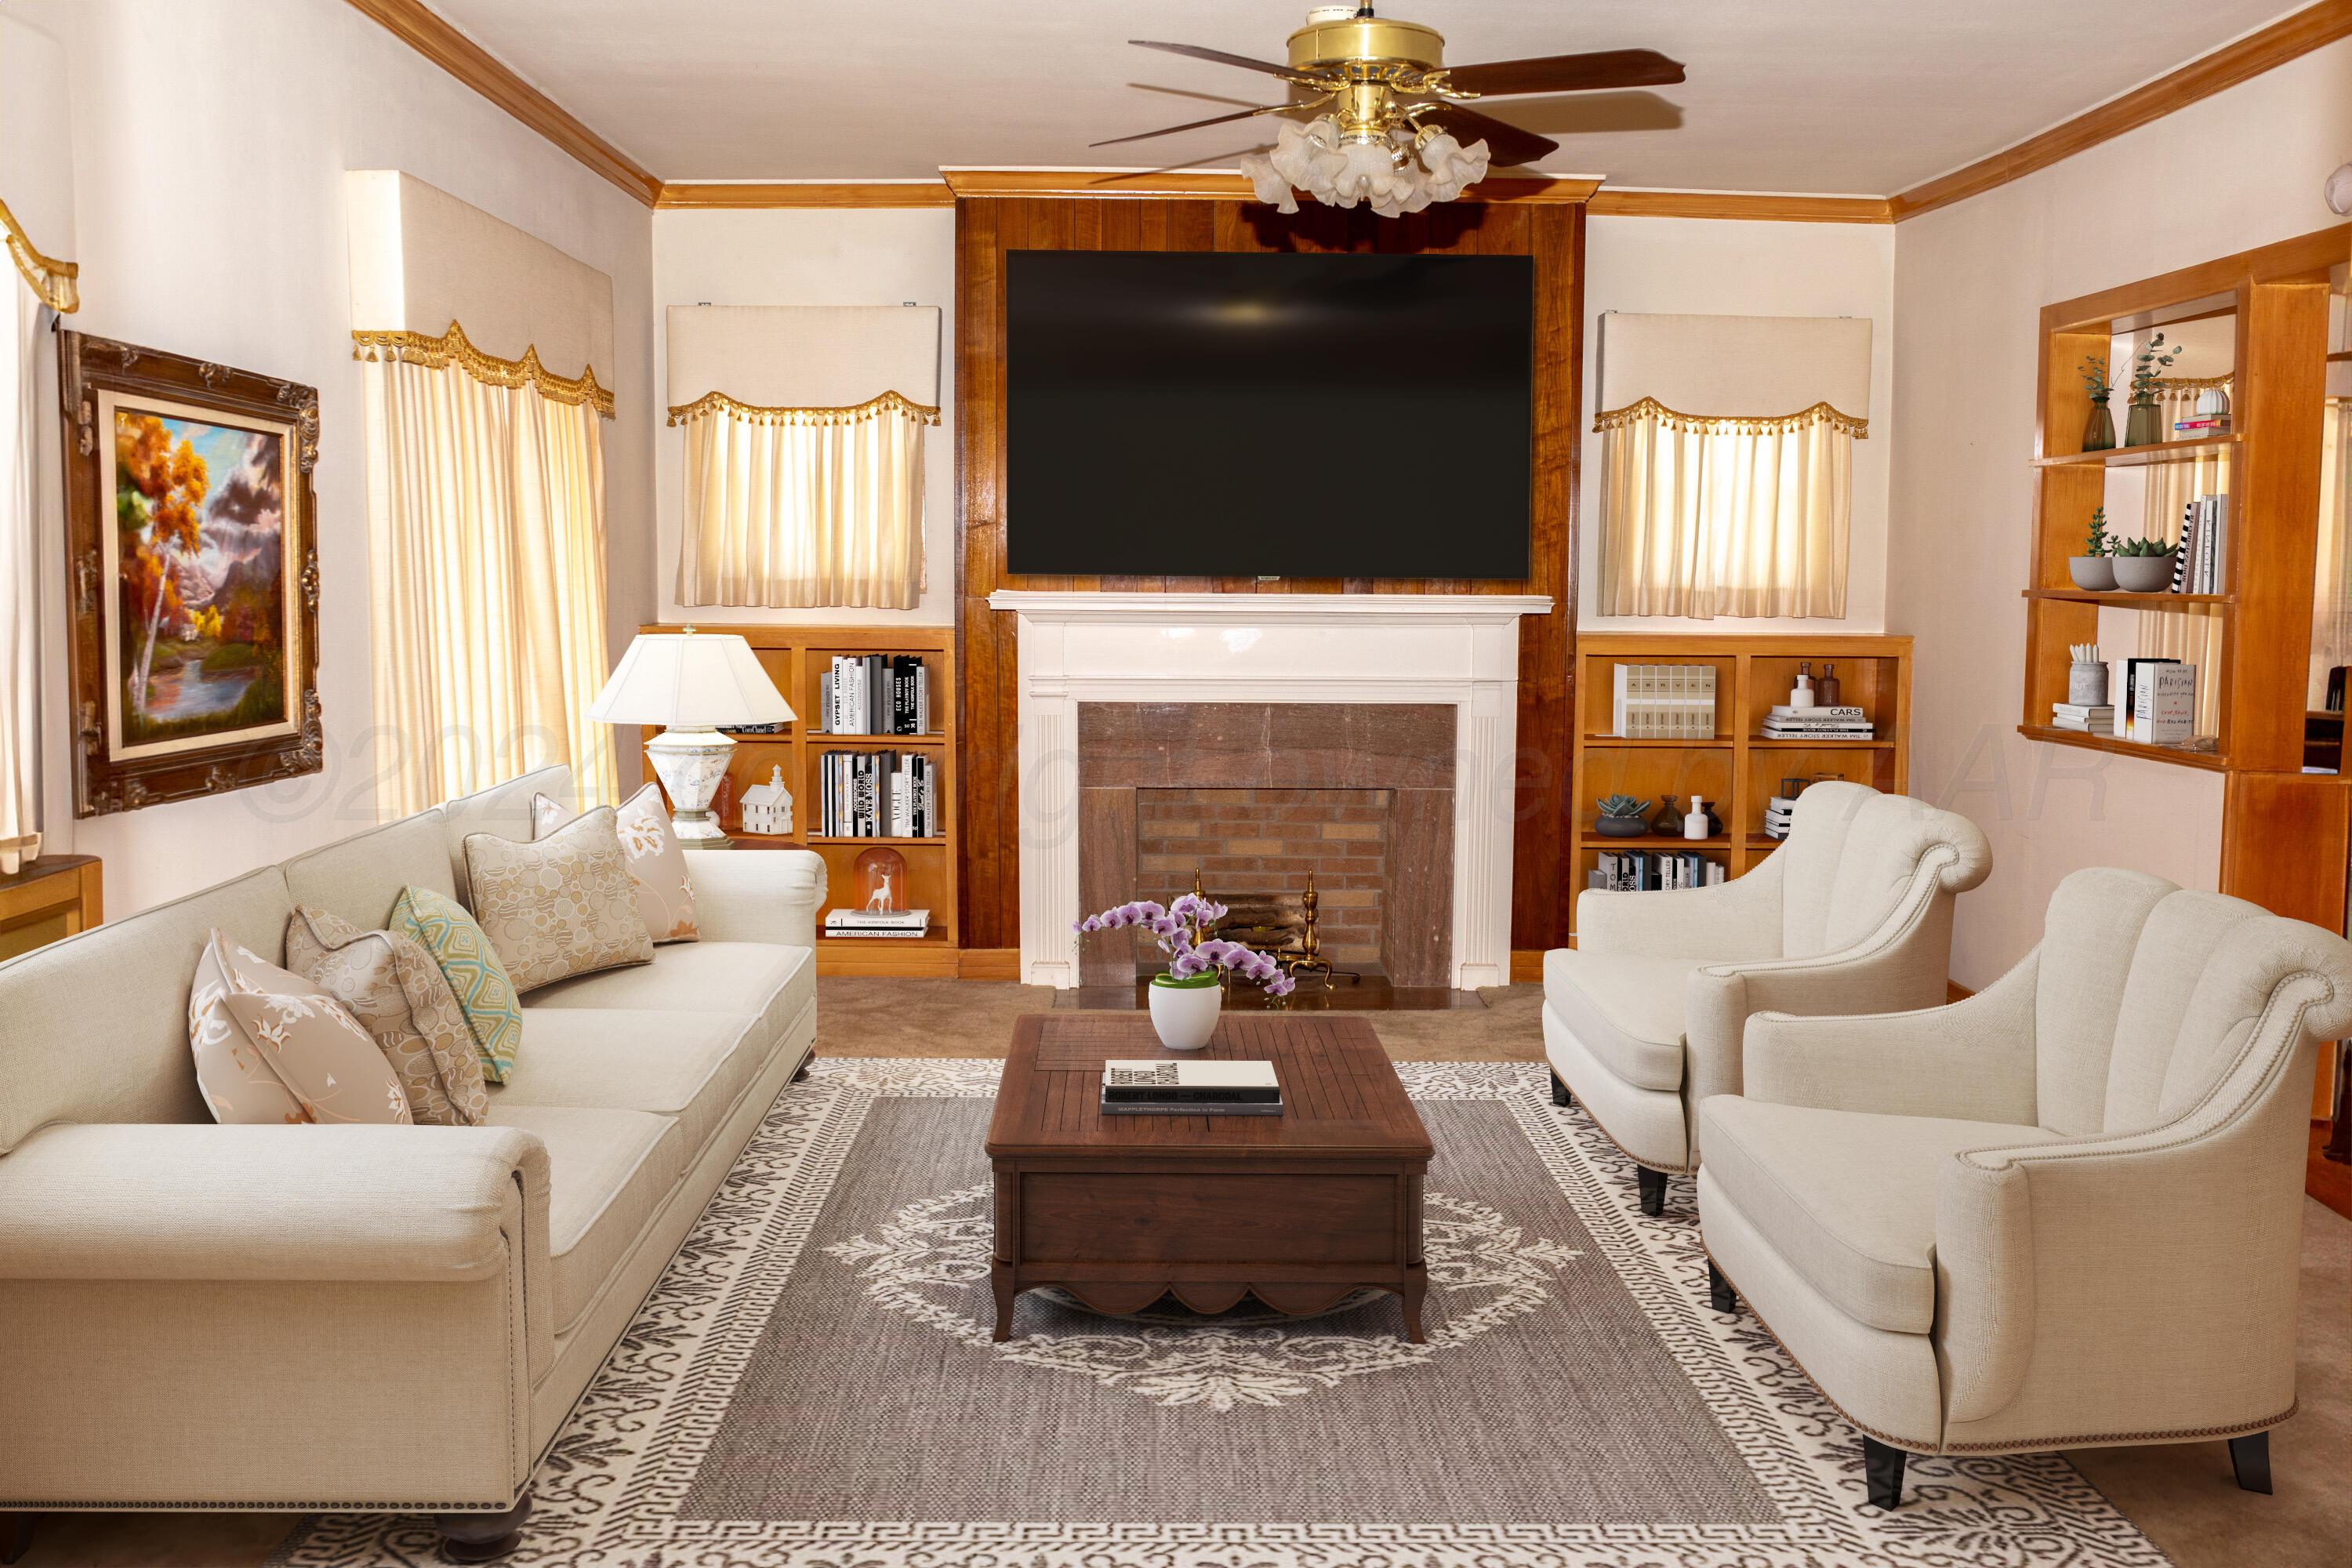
point(1621, 817)
point(2099, 429)
point(2145, 428)
point(2094, 569)
point(2144, 565)
point(1186, 998)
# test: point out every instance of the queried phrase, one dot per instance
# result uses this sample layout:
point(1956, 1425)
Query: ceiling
point(1840, 96)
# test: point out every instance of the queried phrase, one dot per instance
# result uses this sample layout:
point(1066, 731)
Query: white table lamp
point(686, 682)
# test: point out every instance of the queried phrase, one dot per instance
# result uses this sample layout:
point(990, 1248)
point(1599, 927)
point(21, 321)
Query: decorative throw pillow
point(656, 860)
point(391, 984)
point(271, 1048)
point(559, 906)
point(484, 994)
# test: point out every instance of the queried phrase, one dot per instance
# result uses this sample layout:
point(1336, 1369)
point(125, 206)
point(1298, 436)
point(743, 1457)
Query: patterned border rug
point(813, 1385)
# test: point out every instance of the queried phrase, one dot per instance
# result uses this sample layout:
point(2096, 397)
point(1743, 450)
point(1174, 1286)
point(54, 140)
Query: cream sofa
point(1854, 914)
point(2063, 1213)
point(380, 1317)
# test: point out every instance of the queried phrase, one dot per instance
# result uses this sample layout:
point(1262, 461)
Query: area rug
point(814, 1384)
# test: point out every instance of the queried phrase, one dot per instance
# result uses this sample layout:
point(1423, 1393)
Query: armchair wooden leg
point(1560, 1095)
point(1719, 1293)
point(16, 1535)
point(1653, 1189)
point(2251, 1458)
point(1882, 1473)
point(801, 1076)
point(482, 1537)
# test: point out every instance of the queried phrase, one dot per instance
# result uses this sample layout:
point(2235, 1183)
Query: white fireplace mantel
point(1457, 648)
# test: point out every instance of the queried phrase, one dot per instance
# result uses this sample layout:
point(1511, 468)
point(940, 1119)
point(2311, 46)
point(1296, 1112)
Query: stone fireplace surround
point(1459, 652)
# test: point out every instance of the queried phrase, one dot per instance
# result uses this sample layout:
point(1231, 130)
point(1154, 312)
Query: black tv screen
point(1297, 415)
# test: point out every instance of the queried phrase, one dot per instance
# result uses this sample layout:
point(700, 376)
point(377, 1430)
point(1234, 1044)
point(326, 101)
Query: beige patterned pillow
point(560, 906)
point(399, 994)
point(270, 1047)
point(656, 859)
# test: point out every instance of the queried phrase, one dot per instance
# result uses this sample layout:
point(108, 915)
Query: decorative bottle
point(1801, 694)
point(1695, 825)
point(1825, 690)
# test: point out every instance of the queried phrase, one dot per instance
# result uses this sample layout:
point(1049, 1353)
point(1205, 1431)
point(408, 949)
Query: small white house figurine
point(768, 807)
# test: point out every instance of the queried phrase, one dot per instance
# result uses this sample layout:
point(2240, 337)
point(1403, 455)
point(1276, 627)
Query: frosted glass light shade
point(689, 680)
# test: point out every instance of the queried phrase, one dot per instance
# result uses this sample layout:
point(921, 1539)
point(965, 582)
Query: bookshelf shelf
point(1769, 743)
point(2122, 601)
point(2182, 756)
point(2135, 456)
point(796, 658)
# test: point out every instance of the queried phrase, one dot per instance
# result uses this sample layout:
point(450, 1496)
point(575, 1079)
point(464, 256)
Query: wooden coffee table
point(1298, 1209)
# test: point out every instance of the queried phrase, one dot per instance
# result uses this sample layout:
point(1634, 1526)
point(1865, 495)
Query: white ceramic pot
point(1184, 1012)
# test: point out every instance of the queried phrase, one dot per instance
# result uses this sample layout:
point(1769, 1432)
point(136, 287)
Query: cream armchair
point(1852, 914)
point(2063, 1213)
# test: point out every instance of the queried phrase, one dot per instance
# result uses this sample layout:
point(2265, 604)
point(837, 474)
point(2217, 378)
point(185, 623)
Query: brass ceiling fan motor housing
point(1375, 56)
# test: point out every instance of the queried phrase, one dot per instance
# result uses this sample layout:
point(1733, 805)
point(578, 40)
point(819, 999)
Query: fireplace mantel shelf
point(1226, 609)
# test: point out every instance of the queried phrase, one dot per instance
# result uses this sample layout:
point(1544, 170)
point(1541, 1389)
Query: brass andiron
point(1265, 925)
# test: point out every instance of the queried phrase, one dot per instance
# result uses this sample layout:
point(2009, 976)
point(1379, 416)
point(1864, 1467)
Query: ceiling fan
point(1398, 131)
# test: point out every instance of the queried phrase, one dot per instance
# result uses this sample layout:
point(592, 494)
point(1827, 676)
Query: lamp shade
point(690, 681)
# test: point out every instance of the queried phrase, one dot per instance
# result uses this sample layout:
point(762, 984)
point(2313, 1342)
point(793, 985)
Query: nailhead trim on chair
point(1914, 1444)
point(1646, 1164)
point(2097, 1440)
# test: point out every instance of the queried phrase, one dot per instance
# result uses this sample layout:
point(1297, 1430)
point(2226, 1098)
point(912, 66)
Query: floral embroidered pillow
point(272, 1047)
point(656, 859)
point(388, 981)
point(559, 906)
point(470, 964)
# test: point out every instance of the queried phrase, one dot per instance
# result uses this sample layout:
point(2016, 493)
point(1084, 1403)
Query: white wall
point(1701, 266)
point(2239, 169)
point(209, 145)
point(810, 256)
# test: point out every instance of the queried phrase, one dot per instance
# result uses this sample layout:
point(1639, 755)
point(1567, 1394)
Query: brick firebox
point(1302, 780)
point(1271, 841)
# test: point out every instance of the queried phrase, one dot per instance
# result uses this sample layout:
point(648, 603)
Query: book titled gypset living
point(1190, 1089)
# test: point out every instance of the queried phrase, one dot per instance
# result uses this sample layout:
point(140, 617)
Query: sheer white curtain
point(20, 599)
point(2192, 634)
point(487, 517)
point(2331, 607)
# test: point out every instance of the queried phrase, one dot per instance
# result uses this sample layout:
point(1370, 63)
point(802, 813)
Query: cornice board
point(422, 29)
point(715, 195)
point(2285, 39)
point(1194, 185)
point(1741, 205)
point(1311, 609)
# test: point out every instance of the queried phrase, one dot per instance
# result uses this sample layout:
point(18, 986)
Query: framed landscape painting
point(194, 578)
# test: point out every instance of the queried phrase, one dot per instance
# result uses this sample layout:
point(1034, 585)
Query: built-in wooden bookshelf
point(797, 658)
point(1737, 770)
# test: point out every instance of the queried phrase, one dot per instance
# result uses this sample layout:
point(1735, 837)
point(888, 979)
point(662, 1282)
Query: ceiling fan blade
point(1219, 57)
point(1568, 73)
point(1195, 124)
point(1505, 144)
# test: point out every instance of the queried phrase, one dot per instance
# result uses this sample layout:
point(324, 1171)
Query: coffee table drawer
point(1209, 1217)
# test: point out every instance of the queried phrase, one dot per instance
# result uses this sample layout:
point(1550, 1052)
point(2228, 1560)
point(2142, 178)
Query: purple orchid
point(1182, 930)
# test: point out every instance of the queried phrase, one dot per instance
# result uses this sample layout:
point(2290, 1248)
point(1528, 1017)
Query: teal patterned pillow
point(485, 994)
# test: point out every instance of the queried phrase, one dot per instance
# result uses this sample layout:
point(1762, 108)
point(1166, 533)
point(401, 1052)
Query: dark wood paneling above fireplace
point(988, 228)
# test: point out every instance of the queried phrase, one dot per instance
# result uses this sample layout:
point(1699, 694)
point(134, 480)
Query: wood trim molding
point(989, 963)
point(1184, 185)
point(685, 195)
point(1741, 206)
point(421, 28)
point(2284, 40)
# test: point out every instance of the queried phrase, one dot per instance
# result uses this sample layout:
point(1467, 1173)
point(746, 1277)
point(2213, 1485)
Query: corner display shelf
point(796, 658)
point(1735, 770)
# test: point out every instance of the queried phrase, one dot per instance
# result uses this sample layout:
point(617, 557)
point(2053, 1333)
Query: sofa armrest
point(1735, 920)
point(1972, 1061)
point(759, 895)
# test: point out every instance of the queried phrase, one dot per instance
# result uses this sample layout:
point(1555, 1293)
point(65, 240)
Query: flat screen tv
point(1288, 415)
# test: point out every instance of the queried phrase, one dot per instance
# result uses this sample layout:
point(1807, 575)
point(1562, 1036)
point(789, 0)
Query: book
point(917, 920)
point(2164, 702)
point(1192, 1089)
point(1662, 702)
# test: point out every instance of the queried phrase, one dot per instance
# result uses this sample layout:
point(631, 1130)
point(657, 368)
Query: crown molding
point(2286, 39)
point(680, 195)
point(969, 183)
point(1741, 206)
point(422, 29)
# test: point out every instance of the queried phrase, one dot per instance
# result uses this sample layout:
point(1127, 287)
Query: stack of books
point(1777, 816)
point(877, 795)
point(2204, 546)
point(1189, 1089)
point(877, 922)
point(2096, 718)
point(1842, 723)
point(875, 694)
point(1653, 870)
point(1664, 702)
point(2200, 426)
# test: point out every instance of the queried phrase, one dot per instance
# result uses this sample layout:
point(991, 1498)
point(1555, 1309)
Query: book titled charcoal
point(1192, 1089)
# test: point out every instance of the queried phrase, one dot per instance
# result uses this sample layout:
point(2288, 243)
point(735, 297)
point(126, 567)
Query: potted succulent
point(2144, 565)
point(2099, 430)
point(2094, 569)
point(1621, 817)
point(1186, 998)
point(2145, 427)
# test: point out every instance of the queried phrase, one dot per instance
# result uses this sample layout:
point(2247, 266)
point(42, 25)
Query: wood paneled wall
point(1553, 234)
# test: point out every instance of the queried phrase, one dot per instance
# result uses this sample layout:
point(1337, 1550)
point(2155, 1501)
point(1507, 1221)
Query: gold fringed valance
point(1651, 409)
point(720, 403)
point(453, 348)
point(58, 283)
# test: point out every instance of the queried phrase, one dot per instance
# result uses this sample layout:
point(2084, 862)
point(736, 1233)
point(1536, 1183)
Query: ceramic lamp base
point(689, 764)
